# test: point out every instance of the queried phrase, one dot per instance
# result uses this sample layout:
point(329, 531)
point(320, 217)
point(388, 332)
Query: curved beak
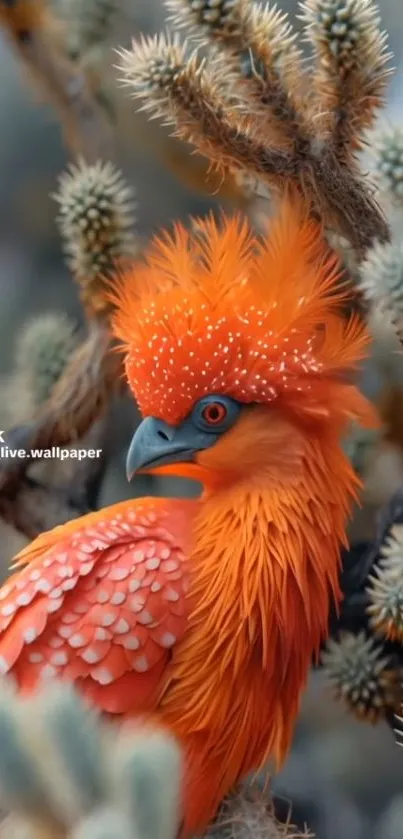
point(155, 443)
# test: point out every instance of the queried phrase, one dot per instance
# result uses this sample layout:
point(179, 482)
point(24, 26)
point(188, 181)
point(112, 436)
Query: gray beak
point(156, 443)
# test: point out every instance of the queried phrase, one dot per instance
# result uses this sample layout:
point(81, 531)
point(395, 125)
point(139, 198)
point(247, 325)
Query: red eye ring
point(214, 413)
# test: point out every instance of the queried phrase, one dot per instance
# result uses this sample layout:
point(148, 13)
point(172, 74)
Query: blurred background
point(344, 779)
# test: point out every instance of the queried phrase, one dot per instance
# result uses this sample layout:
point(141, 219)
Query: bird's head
point(236, 349)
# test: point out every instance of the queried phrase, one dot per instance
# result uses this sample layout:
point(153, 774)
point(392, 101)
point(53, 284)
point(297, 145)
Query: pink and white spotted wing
point(100, 602)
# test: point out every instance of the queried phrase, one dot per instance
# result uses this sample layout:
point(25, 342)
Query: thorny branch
point(299, 128)
point(38, 40)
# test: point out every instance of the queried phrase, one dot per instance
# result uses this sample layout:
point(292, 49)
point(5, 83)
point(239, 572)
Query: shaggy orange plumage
point(256, 319)
point(204, 615)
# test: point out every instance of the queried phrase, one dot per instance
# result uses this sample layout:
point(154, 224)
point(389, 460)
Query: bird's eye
point(214, 413)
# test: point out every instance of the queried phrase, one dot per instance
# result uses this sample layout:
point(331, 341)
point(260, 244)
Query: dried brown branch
point(38, 42)
point(76, 412)
point(31, 507)
point(80, 397)
point(83, 393)
point(249, 814)
point(37, 502)
point(345, 202)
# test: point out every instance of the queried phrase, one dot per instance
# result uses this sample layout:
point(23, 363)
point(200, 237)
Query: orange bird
point(203, 615)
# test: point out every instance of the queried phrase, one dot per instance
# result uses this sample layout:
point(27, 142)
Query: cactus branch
point(185, 93)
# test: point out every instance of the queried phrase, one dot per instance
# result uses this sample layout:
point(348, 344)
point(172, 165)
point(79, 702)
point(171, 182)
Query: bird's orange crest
point(225, 311)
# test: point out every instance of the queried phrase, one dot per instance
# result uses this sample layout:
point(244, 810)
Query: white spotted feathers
point(103, 605)
point(226, 312)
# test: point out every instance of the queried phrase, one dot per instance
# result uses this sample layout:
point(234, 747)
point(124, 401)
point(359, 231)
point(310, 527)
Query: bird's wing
point(100, 601)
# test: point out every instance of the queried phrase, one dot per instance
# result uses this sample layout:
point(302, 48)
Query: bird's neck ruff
point(266, 562)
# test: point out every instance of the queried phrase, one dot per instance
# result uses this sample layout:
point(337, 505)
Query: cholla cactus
point(381, 281)
point(362, 676)
point(385, 590)
point(359, 445)
point(95, 218)
point(349, 48)
point(299, 130)
point(44, 348)
point(388, 154)
point(385, 348)
point(96, 223)
point(256, 53)
point(16, 404)
point(87, 25)
point(65, 772)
